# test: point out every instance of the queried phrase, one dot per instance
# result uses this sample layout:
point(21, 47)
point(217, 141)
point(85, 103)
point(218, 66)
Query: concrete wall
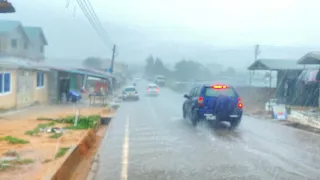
point(53, 88)
point(24, 88)
point(8, 100)
point(40, 94)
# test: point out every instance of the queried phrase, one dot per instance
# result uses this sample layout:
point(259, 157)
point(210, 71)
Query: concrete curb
point(94, 168)
point(72, 157)
point(51, 174)
point(95, 163)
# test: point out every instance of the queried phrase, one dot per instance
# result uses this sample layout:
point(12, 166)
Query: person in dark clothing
point(64, 88)
point(67, 89)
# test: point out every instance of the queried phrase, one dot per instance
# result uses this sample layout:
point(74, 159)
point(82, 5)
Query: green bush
point(84, 122)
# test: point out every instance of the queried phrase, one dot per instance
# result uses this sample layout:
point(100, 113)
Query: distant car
point(213, 103)
point(153, 90)
point(160, 80)
point(130, 93)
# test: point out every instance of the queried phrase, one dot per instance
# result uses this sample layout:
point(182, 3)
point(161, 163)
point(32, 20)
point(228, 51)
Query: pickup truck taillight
point(200, 100)
point(240, 105)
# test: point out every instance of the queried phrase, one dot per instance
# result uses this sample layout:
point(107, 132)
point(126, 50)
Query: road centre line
point(125, 152)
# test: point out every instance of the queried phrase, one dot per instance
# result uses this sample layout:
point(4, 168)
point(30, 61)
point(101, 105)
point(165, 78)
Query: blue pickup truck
point(213, 103)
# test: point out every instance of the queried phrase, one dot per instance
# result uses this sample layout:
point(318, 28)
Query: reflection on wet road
point(161, 145)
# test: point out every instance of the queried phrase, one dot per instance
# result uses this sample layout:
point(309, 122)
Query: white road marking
point(125, 152)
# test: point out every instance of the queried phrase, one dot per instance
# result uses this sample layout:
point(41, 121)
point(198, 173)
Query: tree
point(93, 62)
point(149, 68)
point(156, 67)
point(228, 72)
point(159, 68)
point(186, 70)
point(231, 71)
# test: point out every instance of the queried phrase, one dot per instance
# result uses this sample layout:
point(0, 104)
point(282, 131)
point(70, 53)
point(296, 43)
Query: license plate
point(210, 117)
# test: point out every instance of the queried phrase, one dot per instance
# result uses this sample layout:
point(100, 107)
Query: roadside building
point(309, 79)
point(78, 80)
point(37, 43)
point(22, 81)
point(287, 72)
point(22, 84)
point(118, 66)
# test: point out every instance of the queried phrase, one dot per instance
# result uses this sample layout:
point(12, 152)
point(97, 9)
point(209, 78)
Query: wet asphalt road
point(162, 146)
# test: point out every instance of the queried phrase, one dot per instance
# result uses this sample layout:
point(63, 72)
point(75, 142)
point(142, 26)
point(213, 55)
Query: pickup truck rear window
point(210, 92)
point(130, 89)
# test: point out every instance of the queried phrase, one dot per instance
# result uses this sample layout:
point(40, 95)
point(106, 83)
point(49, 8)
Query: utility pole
point(113, 82)
point(256, 52)
point(112, 59)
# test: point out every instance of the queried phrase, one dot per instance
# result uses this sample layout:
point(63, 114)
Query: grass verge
point(56, 135)
point(14, 140)
point(4, 165)
point(36, 130)
point(84, 122)
point(62, 151)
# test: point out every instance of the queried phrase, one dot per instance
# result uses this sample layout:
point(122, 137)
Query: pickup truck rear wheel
point(184, 114)
point(194, 117)
point(234, 123)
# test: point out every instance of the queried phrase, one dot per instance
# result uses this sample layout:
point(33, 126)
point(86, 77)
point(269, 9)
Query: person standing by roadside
point(64, 89)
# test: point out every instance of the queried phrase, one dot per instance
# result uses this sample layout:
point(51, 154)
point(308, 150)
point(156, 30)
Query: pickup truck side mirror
point(186, 96)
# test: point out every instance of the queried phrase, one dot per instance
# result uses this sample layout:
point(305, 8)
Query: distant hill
point(72, 39)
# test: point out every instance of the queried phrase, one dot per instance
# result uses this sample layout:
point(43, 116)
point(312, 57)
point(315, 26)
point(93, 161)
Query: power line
point(93, 19)
point(92, 12)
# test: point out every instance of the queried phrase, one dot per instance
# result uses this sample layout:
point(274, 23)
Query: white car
point(130, 93)
point(153, 89)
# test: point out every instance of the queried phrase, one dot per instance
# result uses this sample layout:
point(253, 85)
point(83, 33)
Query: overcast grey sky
point(136, 25)
point(276, 22)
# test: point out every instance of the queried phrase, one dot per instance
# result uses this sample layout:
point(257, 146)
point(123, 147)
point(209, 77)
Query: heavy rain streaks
point(163, 145)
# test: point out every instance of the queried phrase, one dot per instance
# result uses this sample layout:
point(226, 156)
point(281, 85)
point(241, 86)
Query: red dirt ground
point(41, 148)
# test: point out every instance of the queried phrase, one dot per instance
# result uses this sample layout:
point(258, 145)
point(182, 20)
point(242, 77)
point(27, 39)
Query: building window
point(5, 82)
point(41, 49)
point(25, 45)
point(14, 43)
point(40, 79)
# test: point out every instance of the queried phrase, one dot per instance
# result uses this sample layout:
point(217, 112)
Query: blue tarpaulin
point(74, 95)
